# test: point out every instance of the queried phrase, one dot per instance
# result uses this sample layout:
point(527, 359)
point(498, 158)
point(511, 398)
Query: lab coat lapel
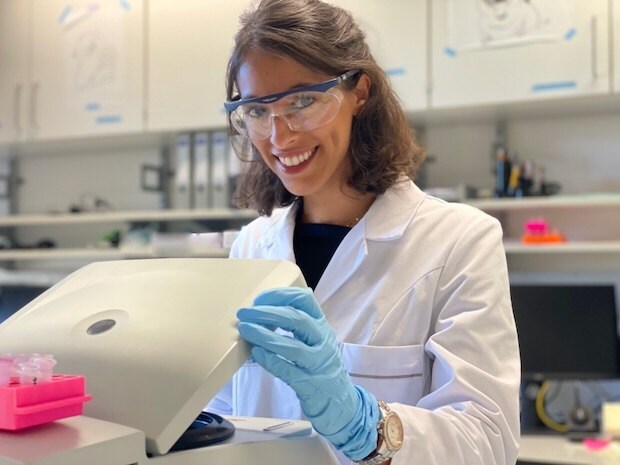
point(386, 220)
point(278, 240)
point(348, 257)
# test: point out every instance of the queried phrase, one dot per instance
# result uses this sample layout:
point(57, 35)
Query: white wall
point(55, 177)
point(54, 181)
point(580, 152)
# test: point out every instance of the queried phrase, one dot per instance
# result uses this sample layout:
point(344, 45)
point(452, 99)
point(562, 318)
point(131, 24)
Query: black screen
point(13, 298)
point(567, 331)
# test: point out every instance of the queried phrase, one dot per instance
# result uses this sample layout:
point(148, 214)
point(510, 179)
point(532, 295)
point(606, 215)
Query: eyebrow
point(301, 84)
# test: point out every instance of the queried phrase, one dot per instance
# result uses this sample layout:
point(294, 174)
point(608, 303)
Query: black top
point(314, 246)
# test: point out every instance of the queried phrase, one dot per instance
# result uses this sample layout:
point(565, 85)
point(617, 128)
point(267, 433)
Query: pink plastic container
point(22, 406)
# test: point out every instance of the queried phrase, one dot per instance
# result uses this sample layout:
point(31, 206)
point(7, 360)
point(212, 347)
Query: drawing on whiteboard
point(94, 60)
point(475, 24)
point(501, 19)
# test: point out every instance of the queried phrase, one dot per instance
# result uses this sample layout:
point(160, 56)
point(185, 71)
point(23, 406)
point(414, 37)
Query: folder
point(219, 170)
point(181, 192)
point(201, 170)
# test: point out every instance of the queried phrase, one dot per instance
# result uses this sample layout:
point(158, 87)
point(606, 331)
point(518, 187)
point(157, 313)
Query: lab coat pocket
point(391, 373)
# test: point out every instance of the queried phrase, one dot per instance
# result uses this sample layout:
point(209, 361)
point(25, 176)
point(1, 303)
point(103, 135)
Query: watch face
point(393, 432)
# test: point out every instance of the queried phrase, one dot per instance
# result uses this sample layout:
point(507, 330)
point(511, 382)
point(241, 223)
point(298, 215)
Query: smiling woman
point(404, 340)
point(286, 45)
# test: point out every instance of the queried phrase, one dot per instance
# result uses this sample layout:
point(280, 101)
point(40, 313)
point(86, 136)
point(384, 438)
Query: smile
point(296, 159)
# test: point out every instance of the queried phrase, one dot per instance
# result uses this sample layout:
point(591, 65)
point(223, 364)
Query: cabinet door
point(188, 50)
point(518, 50)
point(616, 57)
point(396, 34)
point(13, 69)
point(86, 68)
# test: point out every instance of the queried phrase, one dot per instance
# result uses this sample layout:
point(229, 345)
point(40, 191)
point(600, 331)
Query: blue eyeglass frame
point(232, 105)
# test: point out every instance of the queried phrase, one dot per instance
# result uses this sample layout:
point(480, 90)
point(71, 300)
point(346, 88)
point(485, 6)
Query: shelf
point(553, 202)
point(127, 216)
point(30, 278)
point(600, 256)
point(590, 222)
point(95, 254)
point(602, 247)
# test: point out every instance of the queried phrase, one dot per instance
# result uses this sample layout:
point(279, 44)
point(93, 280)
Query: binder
point(234, 171)
point(201, 170)
point(219, 190)
point(181, 192)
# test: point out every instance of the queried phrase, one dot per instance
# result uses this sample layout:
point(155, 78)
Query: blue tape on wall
point(65, 14)
point(551, 86)
point(109, 119)
point(92, 106)
point(450, 52)
point(396, 72)
point(125, 4)
point(570, 34)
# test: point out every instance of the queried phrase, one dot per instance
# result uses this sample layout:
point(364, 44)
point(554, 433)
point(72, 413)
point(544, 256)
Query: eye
point(302, 101)
point(254, 111)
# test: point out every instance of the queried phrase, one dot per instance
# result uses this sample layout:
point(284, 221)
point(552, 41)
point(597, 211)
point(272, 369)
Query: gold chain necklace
point(352, 223)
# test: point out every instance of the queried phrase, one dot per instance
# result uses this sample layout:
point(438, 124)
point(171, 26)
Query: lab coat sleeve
point(471, 414)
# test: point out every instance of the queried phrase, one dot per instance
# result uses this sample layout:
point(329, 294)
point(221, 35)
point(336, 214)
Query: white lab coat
point(418, 294)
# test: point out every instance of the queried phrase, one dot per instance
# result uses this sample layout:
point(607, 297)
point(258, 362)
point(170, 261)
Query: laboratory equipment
point(568, 330)
point(156, 340)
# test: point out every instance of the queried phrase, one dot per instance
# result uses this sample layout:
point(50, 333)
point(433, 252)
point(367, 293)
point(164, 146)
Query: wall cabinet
point(189, 43)
point(13, 69)
point(545, 52)
point(616, 44)
point(85, 68)
point(77, 69)
point(396, 35)
point(186, 72)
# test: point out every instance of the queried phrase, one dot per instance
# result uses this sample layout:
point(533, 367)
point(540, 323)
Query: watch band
point(383, 451)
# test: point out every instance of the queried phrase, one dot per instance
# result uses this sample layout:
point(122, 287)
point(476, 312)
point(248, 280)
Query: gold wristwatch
point(390, 439)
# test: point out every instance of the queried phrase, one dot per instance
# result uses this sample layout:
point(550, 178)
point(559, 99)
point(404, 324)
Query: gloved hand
point(310, 363)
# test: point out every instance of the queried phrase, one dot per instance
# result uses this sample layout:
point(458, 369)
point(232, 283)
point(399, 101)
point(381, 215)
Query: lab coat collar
point(391, 213)
point(387, 219)
point(278, 239)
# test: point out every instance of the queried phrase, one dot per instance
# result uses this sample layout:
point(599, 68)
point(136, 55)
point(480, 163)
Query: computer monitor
point(13, 297)
point(567, 329)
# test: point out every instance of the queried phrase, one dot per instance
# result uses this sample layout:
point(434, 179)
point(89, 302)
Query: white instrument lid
point(156, 339)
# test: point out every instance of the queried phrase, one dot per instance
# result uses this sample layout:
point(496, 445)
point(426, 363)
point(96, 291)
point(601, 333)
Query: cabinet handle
point(34, 97)
point(594, 47)
point(17, 109)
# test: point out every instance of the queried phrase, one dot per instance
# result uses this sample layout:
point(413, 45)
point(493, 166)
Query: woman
point(406, 351)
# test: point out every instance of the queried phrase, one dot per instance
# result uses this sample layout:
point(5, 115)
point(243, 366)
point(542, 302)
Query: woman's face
point(324, 150)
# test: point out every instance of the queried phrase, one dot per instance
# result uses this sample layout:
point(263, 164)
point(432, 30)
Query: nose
point(281, 134)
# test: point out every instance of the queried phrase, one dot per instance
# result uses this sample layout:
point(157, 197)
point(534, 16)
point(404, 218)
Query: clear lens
point(301, 111)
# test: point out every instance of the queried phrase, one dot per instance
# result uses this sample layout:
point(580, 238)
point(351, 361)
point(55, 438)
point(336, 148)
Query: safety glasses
point(301, 108)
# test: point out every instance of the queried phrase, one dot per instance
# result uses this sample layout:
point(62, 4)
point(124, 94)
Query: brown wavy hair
point(326, 39)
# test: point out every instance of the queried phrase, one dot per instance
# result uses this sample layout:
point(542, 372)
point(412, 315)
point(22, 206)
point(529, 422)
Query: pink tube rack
point(22, 405)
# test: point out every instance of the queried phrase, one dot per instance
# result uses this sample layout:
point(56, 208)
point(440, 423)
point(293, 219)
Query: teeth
point(295, 159)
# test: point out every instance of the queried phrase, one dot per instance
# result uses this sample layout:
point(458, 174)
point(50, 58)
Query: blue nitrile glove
point(345, 414)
